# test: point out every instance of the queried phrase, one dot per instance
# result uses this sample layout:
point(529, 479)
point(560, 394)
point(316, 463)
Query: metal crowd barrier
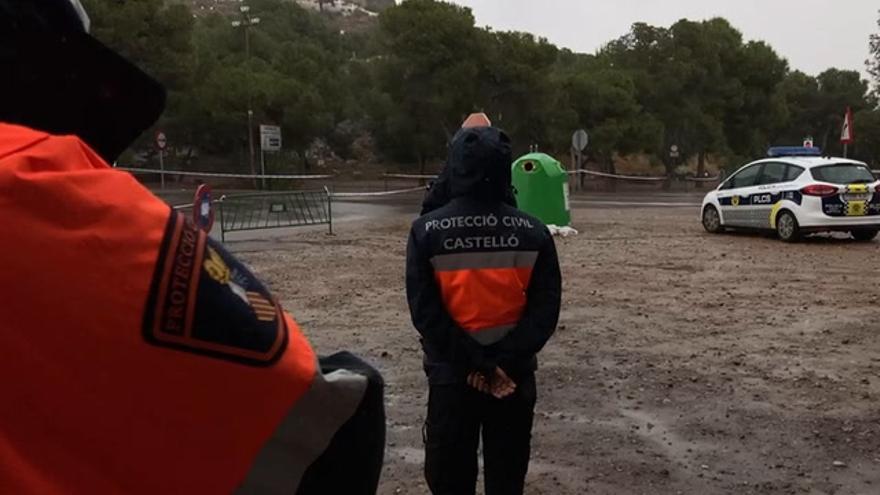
point(240, 212)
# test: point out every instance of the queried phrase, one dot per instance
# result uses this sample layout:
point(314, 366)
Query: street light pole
point(246, 22)
point(250, 98)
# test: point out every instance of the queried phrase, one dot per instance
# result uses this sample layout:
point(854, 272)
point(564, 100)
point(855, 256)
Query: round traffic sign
point(161, 140)
point(580, 139)
point(673, 148)
point(203, 210)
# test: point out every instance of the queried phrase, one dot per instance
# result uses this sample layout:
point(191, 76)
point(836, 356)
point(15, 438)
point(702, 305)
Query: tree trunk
point(669, 167)
point(825, 138)
point(701, 168)
point(609, 167)
point(610, 164)
point(187, 160)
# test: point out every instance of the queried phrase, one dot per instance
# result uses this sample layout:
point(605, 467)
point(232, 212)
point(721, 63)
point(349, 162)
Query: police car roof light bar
point(779, 151)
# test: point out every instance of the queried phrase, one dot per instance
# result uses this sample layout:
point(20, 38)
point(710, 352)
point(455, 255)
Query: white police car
point(797, 191)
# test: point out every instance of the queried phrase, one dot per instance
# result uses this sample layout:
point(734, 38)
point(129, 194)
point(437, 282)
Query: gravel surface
point(684, 362)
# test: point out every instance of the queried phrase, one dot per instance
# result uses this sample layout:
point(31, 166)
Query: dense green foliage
point(409, 81)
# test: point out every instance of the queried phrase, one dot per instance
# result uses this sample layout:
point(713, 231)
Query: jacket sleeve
point(430, 317)
point(543, 299)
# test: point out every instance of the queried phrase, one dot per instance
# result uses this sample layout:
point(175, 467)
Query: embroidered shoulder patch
point(204, 300)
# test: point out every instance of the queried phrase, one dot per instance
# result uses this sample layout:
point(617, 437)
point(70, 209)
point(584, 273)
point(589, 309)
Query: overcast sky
point(812, 34)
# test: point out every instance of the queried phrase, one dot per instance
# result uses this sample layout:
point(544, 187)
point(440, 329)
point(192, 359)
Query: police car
point(797, 191)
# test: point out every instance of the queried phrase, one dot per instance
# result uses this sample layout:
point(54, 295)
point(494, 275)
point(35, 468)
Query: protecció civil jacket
point(483, 280)
point(138, 355)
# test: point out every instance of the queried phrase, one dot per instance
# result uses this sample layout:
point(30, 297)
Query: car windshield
point(843, 173)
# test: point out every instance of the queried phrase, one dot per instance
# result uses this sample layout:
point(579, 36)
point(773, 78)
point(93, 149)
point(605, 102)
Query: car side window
point(745, 178)
point(773, 173)
point(792, 172)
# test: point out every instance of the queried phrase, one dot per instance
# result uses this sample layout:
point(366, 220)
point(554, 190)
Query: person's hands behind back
point(499, 386)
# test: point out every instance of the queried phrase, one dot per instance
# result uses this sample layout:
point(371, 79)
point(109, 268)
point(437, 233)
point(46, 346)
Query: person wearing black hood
point(438, 193)
point(484, 288)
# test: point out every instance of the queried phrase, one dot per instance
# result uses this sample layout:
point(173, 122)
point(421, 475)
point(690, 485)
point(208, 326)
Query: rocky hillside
point(374, 5)
point(330, 7)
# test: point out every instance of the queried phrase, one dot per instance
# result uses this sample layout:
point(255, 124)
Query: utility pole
point(246, 22)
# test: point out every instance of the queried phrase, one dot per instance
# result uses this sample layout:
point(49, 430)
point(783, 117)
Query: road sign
point(203, 210)
point(846, 132)
point(580, 139)
point(161, 140)
point(270, 138)
point(808, 142)
point(673, 151)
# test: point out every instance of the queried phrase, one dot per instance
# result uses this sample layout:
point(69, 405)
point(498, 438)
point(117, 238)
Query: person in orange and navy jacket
point(137, 355)
point(484, 287)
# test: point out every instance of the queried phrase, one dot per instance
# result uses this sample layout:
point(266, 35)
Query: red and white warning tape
point(374, 194)
point(409, 176)
point(223, 175)
point(640, 178)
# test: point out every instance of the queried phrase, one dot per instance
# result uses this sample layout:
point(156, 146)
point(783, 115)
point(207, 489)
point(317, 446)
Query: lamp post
point(246, 22)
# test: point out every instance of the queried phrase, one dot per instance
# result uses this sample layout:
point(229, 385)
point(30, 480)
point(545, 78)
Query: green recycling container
point(542, 188)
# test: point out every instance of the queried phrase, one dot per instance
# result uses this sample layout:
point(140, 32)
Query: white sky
point(812, 34)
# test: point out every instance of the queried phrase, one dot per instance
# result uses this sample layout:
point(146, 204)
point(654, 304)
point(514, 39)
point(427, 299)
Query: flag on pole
point(846, 133)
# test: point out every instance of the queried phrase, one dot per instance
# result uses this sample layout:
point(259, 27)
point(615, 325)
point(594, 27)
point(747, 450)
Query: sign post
point(270, 140)
point(161, 144)
point(579, 141)
point(674, 154)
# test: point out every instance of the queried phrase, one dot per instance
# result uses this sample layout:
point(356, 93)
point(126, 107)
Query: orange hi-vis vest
point(485, 292)
point(136, 354)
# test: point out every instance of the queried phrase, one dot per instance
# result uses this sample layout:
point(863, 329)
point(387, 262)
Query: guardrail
point(241, 212)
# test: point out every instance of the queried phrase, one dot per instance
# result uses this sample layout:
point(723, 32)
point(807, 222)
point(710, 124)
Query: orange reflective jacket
point(137, 355)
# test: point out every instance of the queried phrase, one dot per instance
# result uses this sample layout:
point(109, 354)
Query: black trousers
point(457, 415)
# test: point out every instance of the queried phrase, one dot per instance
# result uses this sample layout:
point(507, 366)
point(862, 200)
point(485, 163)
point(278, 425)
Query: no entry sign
point(161, 140)
point(203, 210)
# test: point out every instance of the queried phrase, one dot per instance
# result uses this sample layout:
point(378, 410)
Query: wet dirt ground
point(684, 362)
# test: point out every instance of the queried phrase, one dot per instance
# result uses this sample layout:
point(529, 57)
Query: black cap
point(57, 16)
point(58, 79)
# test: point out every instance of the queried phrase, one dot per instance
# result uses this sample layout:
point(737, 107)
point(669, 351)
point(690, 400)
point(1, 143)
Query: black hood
point(479, 164)
point(56, 78)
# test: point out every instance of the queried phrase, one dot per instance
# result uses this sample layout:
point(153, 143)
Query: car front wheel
point(864, 235)
point(712, 220)
point(787, 227)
